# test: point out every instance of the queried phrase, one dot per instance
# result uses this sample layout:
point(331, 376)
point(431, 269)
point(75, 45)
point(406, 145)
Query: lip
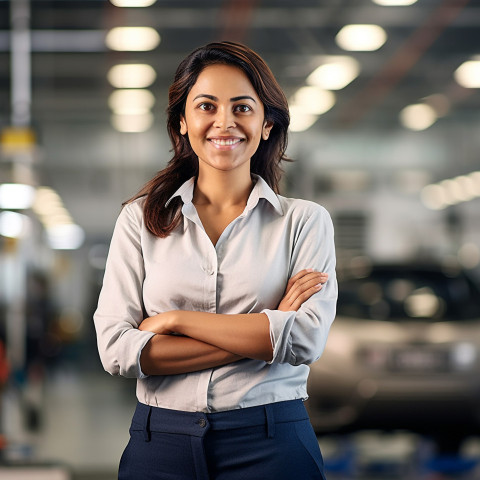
point(225, 143)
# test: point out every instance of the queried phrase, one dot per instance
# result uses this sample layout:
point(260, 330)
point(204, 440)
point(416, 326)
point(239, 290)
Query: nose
point(224, 119)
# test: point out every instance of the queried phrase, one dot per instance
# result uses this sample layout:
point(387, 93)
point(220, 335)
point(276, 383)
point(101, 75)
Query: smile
point(225, 142)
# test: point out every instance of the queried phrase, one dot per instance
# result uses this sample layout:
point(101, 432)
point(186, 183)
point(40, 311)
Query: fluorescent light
point(60, 230)
point(16, 196)
point(418, 117)
point(394, 3)
point(133, 39)
point(435, 197)
point(58, 217)
point(468, 187)
point(454, 192)
point(313, 100)
point(47, 201)
point(133, 3)
point(335, 73)
point(468, 74)
point(364, 38)
point(13, 224)
point(131, 76)
point(475, 176)
point(131, 102)
point(132, 123)
point(65, 237)
point(300, 120)
point(451, 191)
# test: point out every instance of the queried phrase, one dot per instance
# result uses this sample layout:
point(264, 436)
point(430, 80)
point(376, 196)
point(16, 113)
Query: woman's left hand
point(160, 323)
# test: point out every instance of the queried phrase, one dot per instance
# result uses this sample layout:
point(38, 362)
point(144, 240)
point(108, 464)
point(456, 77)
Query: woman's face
point(224, 119)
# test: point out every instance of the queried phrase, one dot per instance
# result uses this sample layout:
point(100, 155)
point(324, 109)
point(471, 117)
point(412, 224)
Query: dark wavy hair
point(161, 219)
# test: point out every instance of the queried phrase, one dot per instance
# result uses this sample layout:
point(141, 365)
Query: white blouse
point(245, 272)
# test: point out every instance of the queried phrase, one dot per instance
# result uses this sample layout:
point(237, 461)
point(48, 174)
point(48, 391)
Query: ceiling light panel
point(131, 76)
point(451, 191)
point(131, 101)
point(468, 74)
point(395, 3)
point(418, 117)
point(132, 39)
point(361, 38)
point(132, 3)
point(132, 123)
point(14, 225)
point(300, 120)
point(313, 100)
point(65, 237)
point(16, 196)
point(335, 72)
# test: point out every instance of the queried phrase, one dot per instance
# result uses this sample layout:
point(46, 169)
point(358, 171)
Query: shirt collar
point(260, 190)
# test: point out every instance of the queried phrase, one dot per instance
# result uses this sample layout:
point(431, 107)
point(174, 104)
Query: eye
point(205, 106)
point(243, 108)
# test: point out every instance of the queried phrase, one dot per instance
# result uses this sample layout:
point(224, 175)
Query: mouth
point(225, 142)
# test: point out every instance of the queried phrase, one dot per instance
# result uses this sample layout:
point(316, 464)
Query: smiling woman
point(215, 294)
point(225, 129)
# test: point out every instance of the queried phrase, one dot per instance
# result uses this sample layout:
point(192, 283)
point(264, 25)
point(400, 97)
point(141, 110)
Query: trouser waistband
point(156, 419)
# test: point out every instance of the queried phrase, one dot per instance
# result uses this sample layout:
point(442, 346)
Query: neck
point(222, 189)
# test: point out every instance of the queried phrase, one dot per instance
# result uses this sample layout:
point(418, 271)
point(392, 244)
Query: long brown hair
point(160, 218)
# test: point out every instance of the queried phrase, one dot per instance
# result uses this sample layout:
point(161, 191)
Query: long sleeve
point(300, 337)
point(120, 307)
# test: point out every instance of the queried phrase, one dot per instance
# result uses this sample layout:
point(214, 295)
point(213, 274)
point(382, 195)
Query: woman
point(213, 297)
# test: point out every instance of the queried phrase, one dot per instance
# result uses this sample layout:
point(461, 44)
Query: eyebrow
point(233, 99)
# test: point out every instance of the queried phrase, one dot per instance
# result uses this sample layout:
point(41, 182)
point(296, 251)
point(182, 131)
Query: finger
point(324, 276)
point(301, 283)
point(305, 278)
point(297, 277)
point(298, 291)
point(303, 297)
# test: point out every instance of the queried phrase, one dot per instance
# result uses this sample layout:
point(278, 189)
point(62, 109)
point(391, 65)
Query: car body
point(403, 353)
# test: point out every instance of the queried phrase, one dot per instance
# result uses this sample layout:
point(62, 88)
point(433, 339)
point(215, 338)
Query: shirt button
point(202, 423)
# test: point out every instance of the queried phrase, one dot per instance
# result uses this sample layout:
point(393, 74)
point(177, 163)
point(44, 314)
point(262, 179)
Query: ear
point(183, 126)
point(267, 126)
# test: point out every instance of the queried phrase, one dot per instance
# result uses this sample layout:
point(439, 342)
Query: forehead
point(223, 81)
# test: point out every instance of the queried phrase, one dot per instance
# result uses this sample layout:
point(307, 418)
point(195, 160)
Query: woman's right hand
point(300, 288)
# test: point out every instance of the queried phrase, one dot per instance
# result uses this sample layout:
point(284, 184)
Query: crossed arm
point(210, 340)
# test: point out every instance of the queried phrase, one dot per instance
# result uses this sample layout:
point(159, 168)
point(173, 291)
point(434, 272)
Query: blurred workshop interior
point(385, 133)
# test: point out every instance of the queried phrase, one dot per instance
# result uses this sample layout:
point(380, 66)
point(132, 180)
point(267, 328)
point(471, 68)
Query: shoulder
point(135, 207)
point(300, 208)
point(308, 221)
point(132, 212)
point(306, 216)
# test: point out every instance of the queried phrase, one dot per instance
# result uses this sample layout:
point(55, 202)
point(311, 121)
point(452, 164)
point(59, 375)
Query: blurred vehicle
point(403, 353)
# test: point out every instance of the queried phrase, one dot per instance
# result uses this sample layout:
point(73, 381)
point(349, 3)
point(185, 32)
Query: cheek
point(197, 128)
point(255, 136)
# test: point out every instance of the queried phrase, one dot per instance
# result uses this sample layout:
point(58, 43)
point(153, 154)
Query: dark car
point(403, 353)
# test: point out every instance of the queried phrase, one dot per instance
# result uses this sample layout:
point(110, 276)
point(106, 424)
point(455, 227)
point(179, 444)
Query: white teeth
point(223, 142)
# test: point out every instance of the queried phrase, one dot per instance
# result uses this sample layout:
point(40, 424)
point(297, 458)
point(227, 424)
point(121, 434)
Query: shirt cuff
point(280, 323)
point(146, 340)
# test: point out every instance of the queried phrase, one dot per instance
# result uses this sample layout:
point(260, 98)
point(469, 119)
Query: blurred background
point(385, 133)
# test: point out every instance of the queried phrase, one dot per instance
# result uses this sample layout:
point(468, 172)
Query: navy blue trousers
point(268, 442)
